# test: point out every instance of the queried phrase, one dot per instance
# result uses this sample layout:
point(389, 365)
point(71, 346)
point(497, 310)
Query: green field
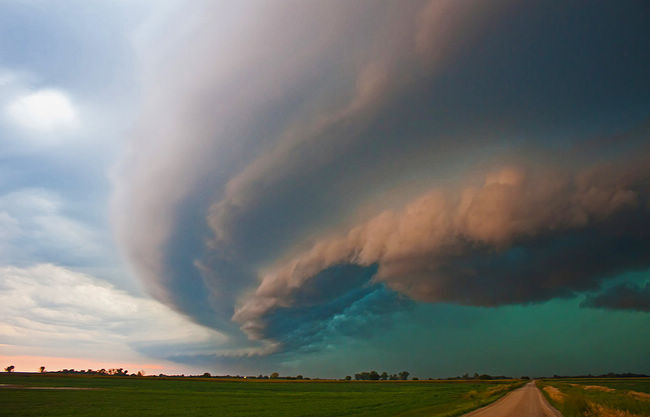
point(624, 397)
point(151, 396)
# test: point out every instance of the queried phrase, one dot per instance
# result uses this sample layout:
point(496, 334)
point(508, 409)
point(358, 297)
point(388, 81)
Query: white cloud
point(49, 310)
point(43, 110)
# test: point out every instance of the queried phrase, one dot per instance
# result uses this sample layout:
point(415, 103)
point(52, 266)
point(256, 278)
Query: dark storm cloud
point(518, 237)
point(338, 301)
point(621, 297)
point(286, 150)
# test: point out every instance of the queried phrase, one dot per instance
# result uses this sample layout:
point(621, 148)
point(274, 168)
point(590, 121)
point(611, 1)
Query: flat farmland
point(82, 395)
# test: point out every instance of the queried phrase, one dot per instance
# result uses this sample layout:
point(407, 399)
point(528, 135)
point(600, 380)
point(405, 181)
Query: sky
point(323, 188)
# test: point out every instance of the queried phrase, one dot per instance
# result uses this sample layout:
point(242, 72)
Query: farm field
point(153, 396)
point(624, 397)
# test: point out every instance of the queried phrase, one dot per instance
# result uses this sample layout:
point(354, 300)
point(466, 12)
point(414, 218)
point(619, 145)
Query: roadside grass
point(598, 397)
point(156, 396)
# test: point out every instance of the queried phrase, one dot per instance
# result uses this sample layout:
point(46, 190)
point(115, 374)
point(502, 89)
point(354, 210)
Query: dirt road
point(526, 401)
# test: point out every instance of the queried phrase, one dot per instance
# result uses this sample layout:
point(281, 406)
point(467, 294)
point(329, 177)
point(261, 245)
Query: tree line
point(361, 376)
point(375, 376)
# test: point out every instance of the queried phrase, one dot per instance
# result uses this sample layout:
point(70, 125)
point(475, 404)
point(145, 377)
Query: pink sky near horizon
point(30, 363)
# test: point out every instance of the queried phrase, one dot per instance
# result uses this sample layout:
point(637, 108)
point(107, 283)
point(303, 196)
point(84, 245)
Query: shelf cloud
point(301, 171)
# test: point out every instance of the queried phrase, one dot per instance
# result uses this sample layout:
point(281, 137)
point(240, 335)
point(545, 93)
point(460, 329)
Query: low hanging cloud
point(621, 297)
point(520, 236)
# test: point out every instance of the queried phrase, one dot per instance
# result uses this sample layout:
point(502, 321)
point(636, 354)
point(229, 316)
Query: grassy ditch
point(606, 397)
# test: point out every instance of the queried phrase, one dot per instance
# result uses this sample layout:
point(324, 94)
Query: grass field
point(607, 397)
point(129, 396)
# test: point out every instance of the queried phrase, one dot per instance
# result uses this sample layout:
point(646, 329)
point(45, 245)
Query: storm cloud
point(516, 238)
point(302, 171)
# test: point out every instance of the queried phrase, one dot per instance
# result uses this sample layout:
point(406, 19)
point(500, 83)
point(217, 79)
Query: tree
point(374, 376)
point(42, 369)
point(205, 375)
point(275, 375)
point(348, 377)
point(9, 368)
point(404, 375)
point(299, 377)
point(384, 376)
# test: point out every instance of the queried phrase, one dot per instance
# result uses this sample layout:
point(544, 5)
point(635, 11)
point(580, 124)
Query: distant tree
point(207, 375)
point(415, 378)
point(299, 377)
point(383, 376)
point(404, 375)
point(9, 368)
point(525, 377)
point(275, 375)
point(465, 375)
point(373, 376)
point(475, 375)
point(348, 377)
point(42, 369)
point(141, 373)
point(393, 377)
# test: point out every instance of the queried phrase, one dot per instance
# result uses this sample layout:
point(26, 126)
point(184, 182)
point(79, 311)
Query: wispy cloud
point(34, 226)
point(54, 311)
